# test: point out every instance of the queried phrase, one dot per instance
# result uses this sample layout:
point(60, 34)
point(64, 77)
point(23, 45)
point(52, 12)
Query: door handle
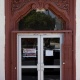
point(42, 67)
point(38, 67)
point(63, 62)
point(15, 68)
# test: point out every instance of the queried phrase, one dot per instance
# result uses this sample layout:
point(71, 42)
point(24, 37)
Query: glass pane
point(51, 51)
point(41, 21)
point(52, 74)
point(29, 74)
point(52, 59)
point(29, 51)
point(51, 43)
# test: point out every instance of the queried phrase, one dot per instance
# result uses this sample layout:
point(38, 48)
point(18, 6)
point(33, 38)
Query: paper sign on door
point(29, 52)
point(49, 53)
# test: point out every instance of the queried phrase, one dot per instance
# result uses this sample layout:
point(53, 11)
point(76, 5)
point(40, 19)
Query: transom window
point(41, 21)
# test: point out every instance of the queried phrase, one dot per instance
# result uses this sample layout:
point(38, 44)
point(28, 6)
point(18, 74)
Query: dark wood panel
point(14, 55)
point(67, 57)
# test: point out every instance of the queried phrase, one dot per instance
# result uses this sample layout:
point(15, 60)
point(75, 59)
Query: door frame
point(40, 37)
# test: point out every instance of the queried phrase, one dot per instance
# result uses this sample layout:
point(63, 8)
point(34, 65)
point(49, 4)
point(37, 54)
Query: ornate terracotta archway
point(17, 9)
point(62, 13)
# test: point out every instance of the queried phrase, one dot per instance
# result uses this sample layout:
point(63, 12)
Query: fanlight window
point(40, 21)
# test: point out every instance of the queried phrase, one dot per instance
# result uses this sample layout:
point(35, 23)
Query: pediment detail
point(61, 4)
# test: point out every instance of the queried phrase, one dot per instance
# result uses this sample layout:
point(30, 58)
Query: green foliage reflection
point(37, 21)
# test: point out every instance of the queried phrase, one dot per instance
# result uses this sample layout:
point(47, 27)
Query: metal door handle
point(63, 62)
point(15, 68)
point(38, 67)
point(42, 67)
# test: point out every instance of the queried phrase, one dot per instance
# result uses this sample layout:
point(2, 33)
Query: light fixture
point(40, 10)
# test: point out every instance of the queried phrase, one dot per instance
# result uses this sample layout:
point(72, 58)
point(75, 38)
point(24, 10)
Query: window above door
point(41, 21)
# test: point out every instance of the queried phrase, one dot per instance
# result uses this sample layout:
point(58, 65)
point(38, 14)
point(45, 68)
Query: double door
point(39, 57)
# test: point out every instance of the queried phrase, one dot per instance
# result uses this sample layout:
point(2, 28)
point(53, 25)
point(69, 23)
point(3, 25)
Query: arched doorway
point(67, 56)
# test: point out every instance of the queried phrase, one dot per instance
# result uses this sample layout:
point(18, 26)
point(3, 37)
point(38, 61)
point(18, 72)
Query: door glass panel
point(29, 74)
point(51, 43)
point(52, 74)
point(29, 50)
point(51, 51)
point(54, 59)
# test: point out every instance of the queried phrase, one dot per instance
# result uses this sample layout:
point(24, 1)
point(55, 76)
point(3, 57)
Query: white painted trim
point(29, 66)
point(61, 41)
point(55, 66)
point(2, 40)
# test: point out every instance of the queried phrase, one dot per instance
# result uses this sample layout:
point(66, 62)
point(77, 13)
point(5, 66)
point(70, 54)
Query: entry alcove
point(62, 15)
point(45, 22)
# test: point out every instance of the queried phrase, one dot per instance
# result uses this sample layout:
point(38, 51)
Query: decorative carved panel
point(40, 5)
point(62, 4)
point(18, 4)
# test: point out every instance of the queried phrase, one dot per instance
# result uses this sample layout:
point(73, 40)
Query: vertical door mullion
point(38, 64)
point(42, 64)
point(42, 49)
point(61, 38)
point(19, 59)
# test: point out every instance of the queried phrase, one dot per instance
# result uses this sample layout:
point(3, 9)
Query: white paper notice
point(49, 53)
point(29, 52)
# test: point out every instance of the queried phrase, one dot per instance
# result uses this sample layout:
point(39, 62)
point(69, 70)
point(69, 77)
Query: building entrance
point(39, 56)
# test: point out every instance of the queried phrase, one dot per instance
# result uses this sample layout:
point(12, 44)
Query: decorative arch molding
point(19, 14)
point(62, 4)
